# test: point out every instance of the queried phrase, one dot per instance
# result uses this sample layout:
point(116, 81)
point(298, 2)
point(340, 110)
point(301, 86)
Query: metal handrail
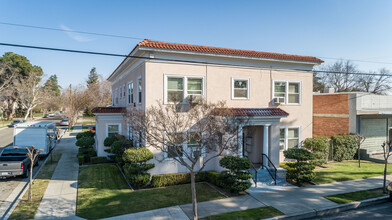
point(269, 162)
point(254, 177)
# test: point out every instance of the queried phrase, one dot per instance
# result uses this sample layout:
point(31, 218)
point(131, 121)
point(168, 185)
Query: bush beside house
point(237, 176)
point(320, 148)
point(300, 171)
point(344, 147)
point(136, 165)
point(85, 142)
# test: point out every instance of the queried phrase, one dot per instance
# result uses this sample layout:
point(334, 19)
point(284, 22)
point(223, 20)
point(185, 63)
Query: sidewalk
point(288, 199)
point(59, 200)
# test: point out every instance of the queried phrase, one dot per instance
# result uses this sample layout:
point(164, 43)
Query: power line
point(80, 32)
point(178, 60)
point(139, 38)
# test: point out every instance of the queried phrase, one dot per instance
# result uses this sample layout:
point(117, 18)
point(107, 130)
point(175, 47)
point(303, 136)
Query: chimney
point(329, 90)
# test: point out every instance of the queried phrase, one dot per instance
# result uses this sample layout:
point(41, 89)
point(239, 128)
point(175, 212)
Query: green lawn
point(88, 121)
point(356, 196)
point(102, 193)
point(26, 209)
point(250, 214)
point(349, 170)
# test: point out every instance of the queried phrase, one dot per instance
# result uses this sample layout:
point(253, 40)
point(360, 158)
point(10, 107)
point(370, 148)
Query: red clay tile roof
point(227, 51)
point(250, 112)
point(108, 110)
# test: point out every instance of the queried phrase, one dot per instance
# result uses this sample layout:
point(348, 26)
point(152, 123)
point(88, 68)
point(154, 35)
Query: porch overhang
point(256, 116)
point(108, 110)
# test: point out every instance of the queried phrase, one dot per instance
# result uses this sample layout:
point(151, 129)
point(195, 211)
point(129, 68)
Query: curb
point(333, 209)
point(25, 188)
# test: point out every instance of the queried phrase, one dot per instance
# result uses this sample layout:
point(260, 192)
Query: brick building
point(342, 113)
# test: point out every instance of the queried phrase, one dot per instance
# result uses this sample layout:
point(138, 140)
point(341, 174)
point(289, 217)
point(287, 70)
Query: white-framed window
point(240, 88)
point(124, 91)
point(289, 137)
point(180, 88)
point(175, 145)
point(113, 129)
point(289, 90)
point(116, 97)
point(139, 90)
point(120, 92)
point(130, 92)
point(130, 132)
point(193, 146)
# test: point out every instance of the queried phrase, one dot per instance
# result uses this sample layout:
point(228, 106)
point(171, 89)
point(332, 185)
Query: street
point(381, 211)
point(6, 138)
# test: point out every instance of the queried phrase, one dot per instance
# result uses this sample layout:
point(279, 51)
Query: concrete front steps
point(264, 178)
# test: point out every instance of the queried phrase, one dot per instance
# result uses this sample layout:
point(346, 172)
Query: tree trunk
point(31, 181)
point(193, 189)
point(385, 175)
point(27, 114)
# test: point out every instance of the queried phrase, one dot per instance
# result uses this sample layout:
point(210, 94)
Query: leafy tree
point(302, 170)
point(52, 85)
point(93, 77)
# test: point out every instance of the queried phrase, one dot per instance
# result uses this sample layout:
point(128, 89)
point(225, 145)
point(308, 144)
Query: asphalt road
point(9, 184)
point(382, 211)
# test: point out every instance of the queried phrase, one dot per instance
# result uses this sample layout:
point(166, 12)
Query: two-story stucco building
point(274, 89)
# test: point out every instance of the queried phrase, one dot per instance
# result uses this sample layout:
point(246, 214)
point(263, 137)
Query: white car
point(51, 114)
point(64, 122)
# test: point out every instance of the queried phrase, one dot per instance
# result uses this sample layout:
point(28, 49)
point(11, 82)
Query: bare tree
point(29, 91)
point(190, 135)
point(32, 154)
point(377, 83)
point(387, 150)
point(339, 76)
point(6, 79)
point(359, 139)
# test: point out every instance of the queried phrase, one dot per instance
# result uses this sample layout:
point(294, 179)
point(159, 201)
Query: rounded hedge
point(85, 142)
point(298, 154)
point(137, 155)
point(235, 163)
point(109, 141)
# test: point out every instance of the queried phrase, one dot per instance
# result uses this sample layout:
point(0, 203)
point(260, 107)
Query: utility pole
point(70, 105)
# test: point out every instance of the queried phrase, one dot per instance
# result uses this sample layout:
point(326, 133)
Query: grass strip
point(26, 209)
point(355, 196)
point(250, 214)
point(103, 192)
point(349, 170)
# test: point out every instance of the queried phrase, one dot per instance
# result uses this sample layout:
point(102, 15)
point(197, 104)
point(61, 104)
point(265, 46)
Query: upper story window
point(139, 90)
point(240, 89)
point(116, 97)
point(289, 137)
point(130, 92)
point(289, 92)
point(123, 90)
point(183, 88)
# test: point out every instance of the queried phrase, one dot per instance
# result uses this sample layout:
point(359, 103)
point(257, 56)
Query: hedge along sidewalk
point(60, 197)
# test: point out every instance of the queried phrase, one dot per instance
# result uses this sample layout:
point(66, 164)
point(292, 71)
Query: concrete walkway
point(59, 200)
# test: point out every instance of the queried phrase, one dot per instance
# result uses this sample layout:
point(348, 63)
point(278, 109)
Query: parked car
point(14, 162)
point(15, 122)
point(51, 114)
point(40, 134)
point(46, 116)
point(64, 122)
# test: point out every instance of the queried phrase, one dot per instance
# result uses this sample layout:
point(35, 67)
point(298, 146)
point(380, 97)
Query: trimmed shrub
point(95, 160)
point(81, 159)
point(85, 142)
point(184, 178)
point(84, 134)
point(344, 147)
point(320, 148)
point(302, 170)
point(87, 153)
point(135, 165)
point(237, 177)
point(139, 180)
point(109, 141)
point(137, 155)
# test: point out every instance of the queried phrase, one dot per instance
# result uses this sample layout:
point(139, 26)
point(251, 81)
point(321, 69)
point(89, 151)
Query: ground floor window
point(289, 137)
point(113, 129)
point(175, 142)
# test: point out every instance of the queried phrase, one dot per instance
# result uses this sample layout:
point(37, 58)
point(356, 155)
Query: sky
point(339, 29)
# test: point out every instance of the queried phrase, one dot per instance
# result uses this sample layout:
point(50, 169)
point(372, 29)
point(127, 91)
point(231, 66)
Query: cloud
point(75, 36)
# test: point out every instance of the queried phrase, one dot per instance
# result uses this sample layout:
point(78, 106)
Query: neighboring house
point(354, 112)
point(250, 81)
